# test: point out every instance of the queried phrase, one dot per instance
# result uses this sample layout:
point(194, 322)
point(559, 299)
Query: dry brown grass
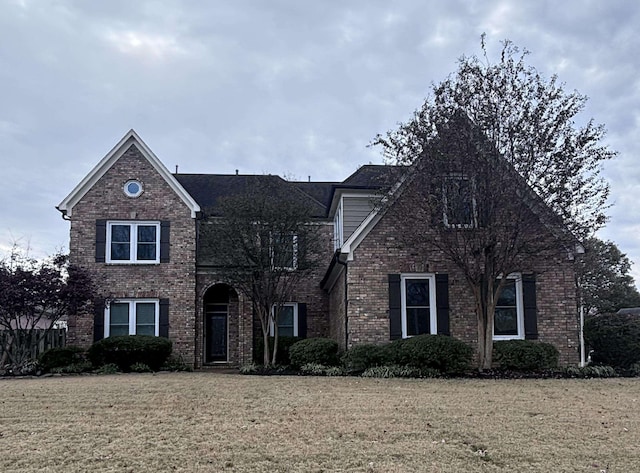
point(202, 422)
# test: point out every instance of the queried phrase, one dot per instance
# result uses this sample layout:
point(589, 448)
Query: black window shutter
point(530, 309)
point(163, 329)
point(165, 238)
point(395, 307)
point(302, 320)
point(101, 240)
point(442, 303)
point(98, 320)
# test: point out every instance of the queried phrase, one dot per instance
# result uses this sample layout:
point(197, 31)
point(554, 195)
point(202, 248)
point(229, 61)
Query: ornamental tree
point(34, 297)
point(498, 163)
point(264, 241)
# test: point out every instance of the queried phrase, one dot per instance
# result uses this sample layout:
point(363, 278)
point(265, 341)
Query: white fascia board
point(66, 206)
point(360, 233)
point(371, 221)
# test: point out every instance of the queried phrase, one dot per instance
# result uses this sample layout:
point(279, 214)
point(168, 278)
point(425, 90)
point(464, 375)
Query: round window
point(133, 188)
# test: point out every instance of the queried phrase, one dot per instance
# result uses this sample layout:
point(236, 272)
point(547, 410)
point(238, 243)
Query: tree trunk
point(275, 344)
point(266, 359)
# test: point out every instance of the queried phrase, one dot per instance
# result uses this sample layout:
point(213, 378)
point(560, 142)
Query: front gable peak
point(129, 139)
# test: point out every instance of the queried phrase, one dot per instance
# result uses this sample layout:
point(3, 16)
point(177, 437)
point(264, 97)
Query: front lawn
point(203, 422)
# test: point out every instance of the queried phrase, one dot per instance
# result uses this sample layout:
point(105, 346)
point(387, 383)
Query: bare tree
point(34, 297)
point(499, 167)
point(265, 242)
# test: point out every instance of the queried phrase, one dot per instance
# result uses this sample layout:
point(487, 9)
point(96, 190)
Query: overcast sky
point(287, 87)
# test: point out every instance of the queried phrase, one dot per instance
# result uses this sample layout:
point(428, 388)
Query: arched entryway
point(216, 305)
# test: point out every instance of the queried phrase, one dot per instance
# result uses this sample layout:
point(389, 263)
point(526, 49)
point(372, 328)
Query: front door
point(216, 316)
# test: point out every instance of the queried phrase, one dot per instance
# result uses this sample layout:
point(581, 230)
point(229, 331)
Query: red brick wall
point(174, 280)
point(382, 252)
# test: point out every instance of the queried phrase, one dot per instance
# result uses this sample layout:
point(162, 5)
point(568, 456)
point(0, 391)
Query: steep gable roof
point(130, 138)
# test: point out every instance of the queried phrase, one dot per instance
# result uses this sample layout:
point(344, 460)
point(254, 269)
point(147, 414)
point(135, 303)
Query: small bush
point(109, 368)
point(614, 339)
point(313, 369)
point(140, 368)
point(362, 357)
point(282, 357)
point(447, 355)
point(589, 372)
point(127, 350)
point(60, 357)
point(334, 371)
point(323, 351)
point(392, 371)
point(250, 368)
point(525, 355)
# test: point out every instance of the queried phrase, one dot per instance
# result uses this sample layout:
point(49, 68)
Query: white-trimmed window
point(133, 242)
point(337, 228)
point(508, 320)
point(459, 204)
point(287, 320)
point(418, 298)
point(132, 317)
point(284, 250)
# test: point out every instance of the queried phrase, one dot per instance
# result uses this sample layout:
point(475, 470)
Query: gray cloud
point(286, 87)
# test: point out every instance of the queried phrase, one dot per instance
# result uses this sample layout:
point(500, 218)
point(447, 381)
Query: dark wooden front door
point(216, 317)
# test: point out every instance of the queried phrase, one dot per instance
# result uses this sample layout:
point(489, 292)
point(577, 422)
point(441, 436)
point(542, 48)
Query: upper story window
point(284, 250)
point(508, 319)
point(133, 188)
point(418, 297)
point(459, 203)
point(337, 228)
point(133, 242)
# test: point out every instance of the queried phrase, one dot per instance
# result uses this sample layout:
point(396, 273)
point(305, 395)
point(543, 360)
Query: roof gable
point(130, 138)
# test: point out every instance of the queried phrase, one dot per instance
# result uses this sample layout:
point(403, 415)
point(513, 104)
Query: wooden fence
point(39, 340)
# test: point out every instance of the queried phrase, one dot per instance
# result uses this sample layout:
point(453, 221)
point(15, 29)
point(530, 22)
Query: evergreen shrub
point(321, 351)
point(127, 350)
point(525, 355)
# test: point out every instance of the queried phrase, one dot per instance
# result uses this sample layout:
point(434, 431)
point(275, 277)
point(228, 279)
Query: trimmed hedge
point(362, 357)
point(321, 351)
point(448, 355)
point(614, 339)
point(284, 344)
point(61, 357)
point(525, 355)
point(127, 350)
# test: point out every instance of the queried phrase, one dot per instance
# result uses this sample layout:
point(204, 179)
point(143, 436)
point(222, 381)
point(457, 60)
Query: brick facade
point(382, 252)
point(175, 280)
point(354, 310)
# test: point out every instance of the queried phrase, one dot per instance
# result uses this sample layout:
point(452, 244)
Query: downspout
point(346, 303)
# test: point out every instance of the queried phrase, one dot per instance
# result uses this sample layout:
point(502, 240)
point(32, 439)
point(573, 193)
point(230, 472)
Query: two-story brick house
point(135, 227)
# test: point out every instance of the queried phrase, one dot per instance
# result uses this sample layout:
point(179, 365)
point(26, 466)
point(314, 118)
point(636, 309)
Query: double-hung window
point(508, 319)
point(418, 298)
point(284, 250)
point(458, 202)
point(287, 320)
point(132, 317)
point(133, 242)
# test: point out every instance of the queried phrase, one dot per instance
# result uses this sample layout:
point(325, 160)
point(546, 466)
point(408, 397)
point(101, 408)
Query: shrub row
point(614, 339)
point(424, 354)
point(428, 353)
